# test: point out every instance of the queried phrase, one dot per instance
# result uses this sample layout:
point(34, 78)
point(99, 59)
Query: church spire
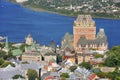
point(6, 43)
point(6, 48)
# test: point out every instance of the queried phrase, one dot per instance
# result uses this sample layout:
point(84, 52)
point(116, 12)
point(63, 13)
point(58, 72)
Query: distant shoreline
point(45, 10)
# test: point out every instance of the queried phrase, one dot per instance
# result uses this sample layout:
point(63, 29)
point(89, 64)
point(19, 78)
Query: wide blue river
point(17, 22)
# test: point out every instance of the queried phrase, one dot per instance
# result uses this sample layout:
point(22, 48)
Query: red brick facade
point(84, 26)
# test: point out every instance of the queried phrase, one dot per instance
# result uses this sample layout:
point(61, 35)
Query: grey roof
point(67, 45)
point(97, 41)
point(74, 77)
point(48, 54)
point(8, 72)
point(68, 36)
point(31, 65)
point(67, 40)
point(100, 39)
point(82, 72)
point(34, 53)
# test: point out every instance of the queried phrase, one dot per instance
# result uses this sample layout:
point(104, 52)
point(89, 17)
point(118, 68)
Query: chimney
point(39, 73)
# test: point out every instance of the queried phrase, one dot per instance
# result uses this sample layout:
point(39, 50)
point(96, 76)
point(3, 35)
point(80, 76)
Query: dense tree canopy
point(117, 78)
point(112, 75)
point(72, 68)
point(98, 55)
point(113, 57)
point(32, 74)
point(64, 75)
point(5, 64)
point(1, 61)
point(2, 53)
point(86, 65)
point(18, 76)
point(59, 58)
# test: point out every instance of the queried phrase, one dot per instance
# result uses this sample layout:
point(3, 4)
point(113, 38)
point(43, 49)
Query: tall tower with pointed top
point(6, 48)
point(84, 25)
point(6, 43)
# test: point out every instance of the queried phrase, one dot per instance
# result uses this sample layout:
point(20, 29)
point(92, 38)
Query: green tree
point(113, 57)
point(98, 55)
point(18, 76)
point(96, 70)
point(59, 57)
point(32, 74)
point(102, 74)
point(2, 53)
point(10, 55)
point(2, 45)
point(1, 61)
point(111, 75)
point(5, 64)
point(86, 65)
point(64, 75)
point(72, 68)
point(13, 47)
point(117, 78)
point(22, 47)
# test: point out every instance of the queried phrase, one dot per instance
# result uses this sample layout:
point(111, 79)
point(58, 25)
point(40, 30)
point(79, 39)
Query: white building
point(21, 1)
point(29, 40)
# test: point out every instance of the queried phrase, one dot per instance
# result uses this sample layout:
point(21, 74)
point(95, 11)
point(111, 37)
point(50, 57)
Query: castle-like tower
point(29, 40)
point(84, 25)
point(84, 36)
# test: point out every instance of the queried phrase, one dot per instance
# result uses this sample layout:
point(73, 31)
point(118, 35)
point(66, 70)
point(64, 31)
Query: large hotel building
point(84, 35)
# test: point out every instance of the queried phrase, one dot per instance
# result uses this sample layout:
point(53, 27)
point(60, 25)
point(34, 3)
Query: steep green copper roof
point(16, 52)
point(67, 44)
point(97, 41)
point(68, 36)
point(67, 40)
point(32, 47)
point(28, 48)
point(6, 44)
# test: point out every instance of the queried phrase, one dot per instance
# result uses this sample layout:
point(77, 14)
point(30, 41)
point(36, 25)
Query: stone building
point(50, 57)
point(83, 26)
point(84, 36)
point(34, 56)
point(99, 43)
point(38, 53)
point(67, 42)
point(86, 57)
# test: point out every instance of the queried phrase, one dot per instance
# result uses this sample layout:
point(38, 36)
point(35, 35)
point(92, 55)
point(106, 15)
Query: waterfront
point(17, 22)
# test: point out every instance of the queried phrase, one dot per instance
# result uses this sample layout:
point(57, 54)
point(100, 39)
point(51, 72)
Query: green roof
point(16, 52)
